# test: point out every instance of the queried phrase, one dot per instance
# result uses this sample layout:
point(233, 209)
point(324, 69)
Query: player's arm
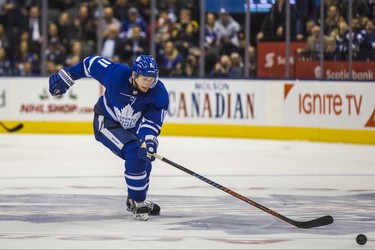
point(151, 124)
point(150, 129)
point(96, 67)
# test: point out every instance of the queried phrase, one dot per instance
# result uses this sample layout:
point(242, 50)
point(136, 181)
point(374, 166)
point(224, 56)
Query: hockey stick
point(10, 130)
point(322, 221)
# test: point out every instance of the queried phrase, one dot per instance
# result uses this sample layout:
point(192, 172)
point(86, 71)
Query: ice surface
point(68, 191)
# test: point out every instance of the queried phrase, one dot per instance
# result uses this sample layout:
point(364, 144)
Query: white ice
point(68, 192)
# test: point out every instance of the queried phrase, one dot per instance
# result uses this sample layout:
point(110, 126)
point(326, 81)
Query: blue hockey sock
point(137, 173)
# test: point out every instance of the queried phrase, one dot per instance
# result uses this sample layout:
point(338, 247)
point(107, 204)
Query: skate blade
point(141, 217)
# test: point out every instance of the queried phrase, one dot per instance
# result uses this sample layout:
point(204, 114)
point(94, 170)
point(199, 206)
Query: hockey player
point(127, 118)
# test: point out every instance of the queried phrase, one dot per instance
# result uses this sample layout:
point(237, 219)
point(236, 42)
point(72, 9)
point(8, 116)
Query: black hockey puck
point(361, 239)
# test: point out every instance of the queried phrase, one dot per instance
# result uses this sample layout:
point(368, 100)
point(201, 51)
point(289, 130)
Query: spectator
point(252, 67)
point(53, 31)
point(56, 53)
point(360, 8)
point(242, 44)
point(185, 31)
point(309, 26)
point(133, 18)
point(227, 28)
point(15, 21)
point(4, 42)
point(163, 27)
point(188, 39)
point(108, 20)
point(112, 44)
point(75, 53)
point(273, 24)
point(163, 34)
point(364, 19)
point(361, 42)
point(328, 3)
point(5, 64)
point(66, 30)
point(211, 57)
point(342, 40)
point(224, 69)
point(169, 59)
point(237, 65)
point(26, 69)
point(226, 47)
point(253, 62)
point(24, 36)
point(93, 6)
point(331, 21)
point(24, 54)
point(120, 9)
point(187, 68)
point(370, 30)
point(51, 67)
point(85, 26)
point(135, 46)
point(144, 8)
point(210, 33)
point(313, 42)
point(330, 51)
point(305, 10)
point(172, 7)
point(35, 28)
point(73, 60)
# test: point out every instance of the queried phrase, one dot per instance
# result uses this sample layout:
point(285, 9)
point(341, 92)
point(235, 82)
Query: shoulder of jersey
point(120, 73)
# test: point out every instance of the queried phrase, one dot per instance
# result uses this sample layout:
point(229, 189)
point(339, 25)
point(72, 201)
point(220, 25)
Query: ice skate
point(140, 210)
point(154, 208)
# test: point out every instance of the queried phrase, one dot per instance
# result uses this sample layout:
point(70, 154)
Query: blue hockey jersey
point(141, 113)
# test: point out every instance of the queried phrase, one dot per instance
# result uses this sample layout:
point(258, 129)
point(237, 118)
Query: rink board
point(296, 110)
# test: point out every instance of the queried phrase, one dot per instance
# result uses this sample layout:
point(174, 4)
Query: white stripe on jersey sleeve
point(87, 68)
point(150, 127)
point(151, 122)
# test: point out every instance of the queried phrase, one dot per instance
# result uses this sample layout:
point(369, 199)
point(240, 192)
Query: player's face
point(143, 83)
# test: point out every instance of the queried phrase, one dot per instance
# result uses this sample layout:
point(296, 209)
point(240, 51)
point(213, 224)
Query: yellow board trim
point(48, 127)
point(272, 132)
point(210, 130)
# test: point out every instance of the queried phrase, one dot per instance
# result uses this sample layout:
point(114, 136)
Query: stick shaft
point(313, 223)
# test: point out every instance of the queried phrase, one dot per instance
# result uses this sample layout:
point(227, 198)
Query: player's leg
point(136, 177)
point(112, 135)
point(125, 144)
point(154, 208)
point(135, 173)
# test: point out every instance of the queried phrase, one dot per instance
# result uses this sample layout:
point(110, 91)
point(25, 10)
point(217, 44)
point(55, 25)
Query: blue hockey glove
point(148, 147)
point(60, 82)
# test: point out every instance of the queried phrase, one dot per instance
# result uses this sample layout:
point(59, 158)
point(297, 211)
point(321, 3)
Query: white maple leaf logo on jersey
point(126, 116)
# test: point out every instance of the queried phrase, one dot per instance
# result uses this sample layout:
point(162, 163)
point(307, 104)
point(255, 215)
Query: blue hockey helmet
point(145, 65)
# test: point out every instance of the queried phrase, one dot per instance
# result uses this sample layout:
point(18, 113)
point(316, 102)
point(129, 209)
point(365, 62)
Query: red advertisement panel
point(271, 58)
point(335, 70)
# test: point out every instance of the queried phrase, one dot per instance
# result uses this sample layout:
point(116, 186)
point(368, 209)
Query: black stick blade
point(11, 130)
point(322, 221)
point(16, 128)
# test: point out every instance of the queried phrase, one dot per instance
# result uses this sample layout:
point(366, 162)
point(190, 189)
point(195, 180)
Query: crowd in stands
point(125, 28)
